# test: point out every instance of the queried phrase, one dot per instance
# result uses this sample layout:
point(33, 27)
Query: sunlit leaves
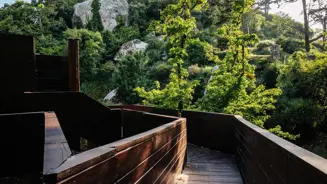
point(176, 25)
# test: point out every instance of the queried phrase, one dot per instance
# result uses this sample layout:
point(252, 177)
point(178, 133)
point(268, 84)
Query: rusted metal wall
point(59, 73)
point(52, 73)
point(21, 70)
point(153, 156)
point(21, 142)
point(79, 115)
point(16, 65)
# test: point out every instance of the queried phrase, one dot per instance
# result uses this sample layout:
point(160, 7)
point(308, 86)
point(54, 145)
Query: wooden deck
point(208, 166)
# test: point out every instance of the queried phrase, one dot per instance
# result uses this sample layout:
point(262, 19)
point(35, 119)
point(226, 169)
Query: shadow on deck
point(208, 166)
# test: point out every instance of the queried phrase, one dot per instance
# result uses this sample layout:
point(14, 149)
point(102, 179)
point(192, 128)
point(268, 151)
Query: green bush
point(100, 84)
point(194, 69)
point(160, 72)
point(131, 71)
point(265, 44)
point(304, 78)
point(318, 145)
point(156, 50)
point(291, 45)
point(91, 51)
point(304, 82)
point(298, 116)
point(48, 45)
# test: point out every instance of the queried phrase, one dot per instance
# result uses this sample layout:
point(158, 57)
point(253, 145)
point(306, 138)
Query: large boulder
point(131, 47)
point(83, 12)
point(109, 11)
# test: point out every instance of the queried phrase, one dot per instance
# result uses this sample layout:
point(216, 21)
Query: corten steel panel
point(73, 62)
point(52, 73)
point(155, 155)
point(21, 141)
point(79, 116)
point(17, 73)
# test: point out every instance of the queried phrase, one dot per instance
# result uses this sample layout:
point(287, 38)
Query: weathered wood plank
point(152, 161)
point(56, 149)
point(208, 166)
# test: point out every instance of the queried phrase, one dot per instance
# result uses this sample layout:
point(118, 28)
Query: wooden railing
point(125, 146)
point(154, 156)
point(262, 157)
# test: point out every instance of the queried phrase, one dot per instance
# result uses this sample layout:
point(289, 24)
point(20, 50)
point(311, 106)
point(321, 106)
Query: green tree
point(177, 25)
point(27, 19)
point(233, 87)
point(48, 45)
point(91, 50)
point(131, 71)
point(64, 9)
point(95, 24)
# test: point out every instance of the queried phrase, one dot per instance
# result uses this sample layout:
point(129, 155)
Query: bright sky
point(293, 9)
point(2, 2)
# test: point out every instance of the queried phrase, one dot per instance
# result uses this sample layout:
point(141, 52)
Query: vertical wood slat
point(56, 149)
point(73, 60)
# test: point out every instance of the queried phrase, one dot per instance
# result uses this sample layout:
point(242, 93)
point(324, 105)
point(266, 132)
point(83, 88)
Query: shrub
point(194, 69)
point(298, 116)
point(131, 71)
point(160, 72)
point(291, 45)
point(265, 44)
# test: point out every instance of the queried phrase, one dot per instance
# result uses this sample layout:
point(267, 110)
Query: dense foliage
point(176, 25)
point(212, 55)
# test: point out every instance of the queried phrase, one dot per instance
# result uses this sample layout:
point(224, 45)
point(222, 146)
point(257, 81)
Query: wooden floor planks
point(208, 166)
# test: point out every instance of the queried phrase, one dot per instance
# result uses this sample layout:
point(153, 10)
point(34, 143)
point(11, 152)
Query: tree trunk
point(267, 7)
point(306, 26)
point(324, 28)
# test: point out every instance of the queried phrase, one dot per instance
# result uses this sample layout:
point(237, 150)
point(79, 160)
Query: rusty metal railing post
point(73, 62)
